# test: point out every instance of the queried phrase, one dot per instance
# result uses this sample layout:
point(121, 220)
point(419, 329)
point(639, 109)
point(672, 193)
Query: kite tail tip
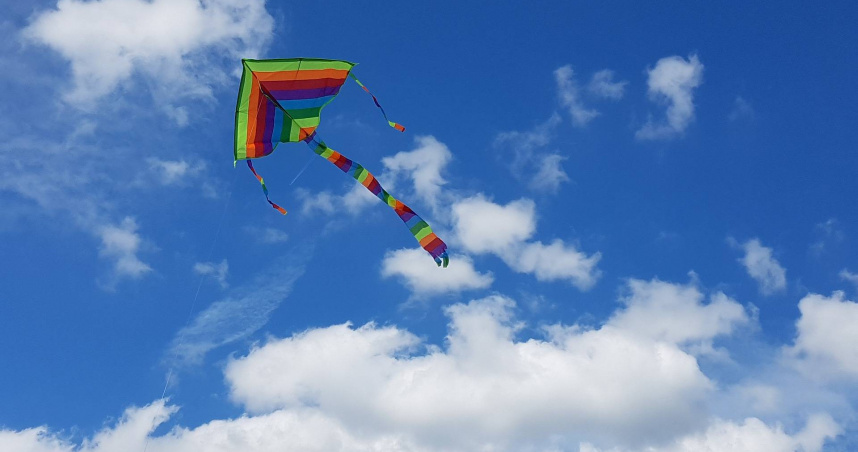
point(397, 126)
point(442, 260)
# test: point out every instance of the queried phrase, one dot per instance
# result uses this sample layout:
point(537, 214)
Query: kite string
point(184, 329)
point(306, 165)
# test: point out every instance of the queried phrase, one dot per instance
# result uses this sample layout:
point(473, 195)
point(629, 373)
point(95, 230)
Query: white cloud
point(358, 198)
point(556, 261)
point(550, 174)
point(761, 266)
point(266, 235)
point(826, 344)
point(482, 226)
point(67, 180)
point(174, 172)
point(742, 110)
point(829, 234)
point(485, 227)
point(121, 244)
point(546, 168)
point(752, 435)
point(177, 45)
point(485, 390)
point(423, 166)
point(617, 388)
point(676, 313)
point(219, 271)
point(849, 276)
point(567, 90)
point(672, 81)
point(602, 84)
point(524, 143)
point(423, 277)
point(324, 202)
point(312, 430)
point(242, 312)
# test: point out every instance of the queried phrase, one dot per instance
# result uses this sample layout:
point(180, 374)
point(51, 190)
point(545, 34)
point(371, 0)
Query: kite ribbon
point(264, 188)
point(396, 126)
point(419, 228)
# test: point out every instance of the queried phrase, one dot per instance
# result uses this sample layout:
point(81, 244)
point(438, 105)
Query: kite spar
point(280, 101)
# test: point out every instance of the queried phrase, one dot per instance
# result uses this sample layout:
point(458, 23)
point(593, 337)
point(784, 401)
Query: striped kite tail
point(419, 228)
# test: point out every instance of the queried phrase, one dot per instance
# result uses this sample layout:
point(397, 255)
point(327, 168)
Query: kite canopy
point(280, 101)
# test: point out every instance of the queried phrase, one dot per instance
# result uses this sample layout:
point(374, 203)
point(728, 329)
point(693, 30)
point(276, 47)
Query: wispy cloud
point(672, 82)
point(242, 312)
point(121, 244)
point(829, 233)
point(570, 96)
point(761, 266)
point(602, 85)
point(742, 110)
point(550, 174)
point(545, 169)
point(219, 271)
point(174, 172)
point(266, 235)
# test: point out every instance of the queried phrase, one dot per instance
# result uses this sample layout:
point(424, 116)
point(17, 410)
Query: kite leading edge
point(280, 101)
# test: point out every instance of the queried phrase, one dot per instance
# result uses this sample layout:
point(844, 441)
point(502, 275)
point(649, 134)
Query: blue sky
point(649, 211)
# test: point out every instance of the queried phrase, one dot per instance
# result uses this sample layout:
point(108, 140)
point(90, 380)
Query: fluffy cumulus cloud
point(167, 41)
point(570, 96)
point(672, 82)
point(485, 227)
point(485, 390)
point(423, 166)
point(826, 344)
point(423, 277)
point(625, 386)
point(676, 313)
point(751, 435)
point(481, 227)
point(762, 266)
point(310, 429)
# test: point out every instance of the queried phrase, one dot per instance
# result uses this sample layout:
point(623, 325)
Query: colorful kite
point(280, 101)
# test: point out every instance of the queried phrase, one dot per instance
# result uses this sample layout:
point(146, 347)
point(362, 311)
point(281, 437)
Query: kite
point(280, 101)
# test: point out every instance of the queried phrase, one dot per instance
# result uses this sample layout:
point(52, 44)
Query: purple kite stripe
point(294, 94)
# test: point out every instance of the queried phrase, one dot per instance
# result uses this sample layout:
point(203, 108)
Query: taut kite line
point(280, 101)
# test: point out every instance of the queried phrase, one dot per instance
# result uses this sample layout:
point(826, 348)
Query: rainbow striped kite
point(280, 101)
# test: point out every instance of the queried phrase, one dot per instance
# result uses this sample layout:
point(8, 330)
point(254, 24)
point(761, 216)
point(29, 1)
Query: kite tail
point(419, 228)
point(264, 188)
point(396, 126)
